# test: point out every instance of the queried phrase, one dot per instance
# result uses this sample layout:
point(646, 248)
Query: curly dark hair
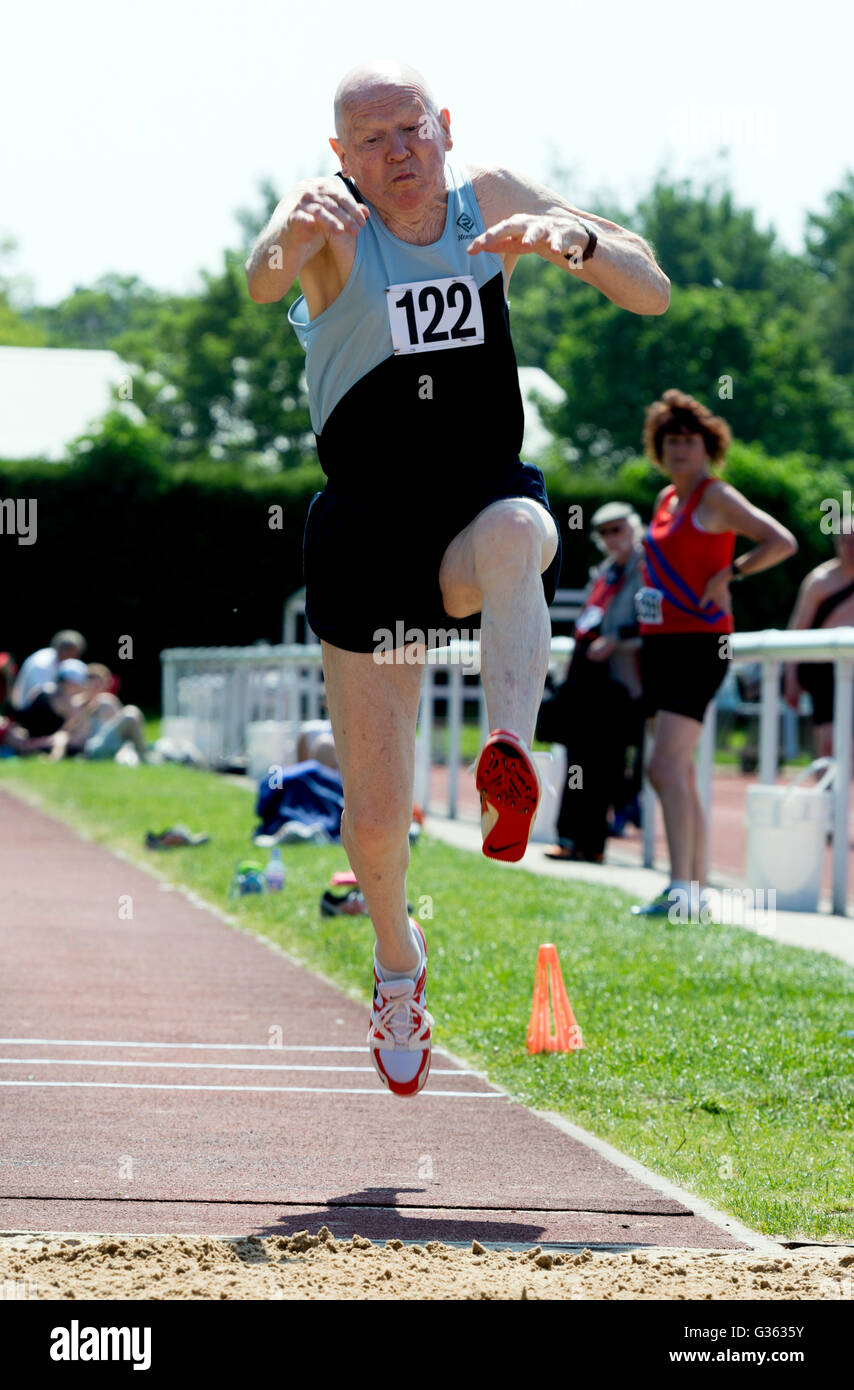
point(678, 413)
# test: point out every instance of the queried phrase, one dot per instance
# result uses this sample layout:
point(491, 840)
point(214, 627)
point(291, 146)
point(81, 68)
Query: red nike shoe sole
point(507, 781)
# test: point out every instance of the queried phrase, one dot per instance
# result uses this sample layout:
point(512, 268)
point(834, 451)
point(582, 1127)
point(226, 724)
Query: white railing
point(217, 692)
point(212, 694)
point(772, 649)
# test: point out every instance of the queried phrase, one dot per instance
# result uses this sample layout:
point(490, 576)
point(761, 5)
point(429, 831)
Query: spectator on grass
point(39, 670)
point(596, 713)
point(55, 702)
point(825, 599)
point(99, 724)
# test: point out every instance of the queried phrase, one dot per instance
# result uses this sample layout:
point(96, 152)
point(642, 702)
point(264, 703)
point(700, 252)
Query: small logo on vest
point(467, 225)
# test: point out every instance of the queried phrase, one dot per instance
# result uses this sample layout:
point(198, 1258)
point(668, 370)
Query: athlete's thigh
point(457, 572)
point(675, 736)
point(373, 708)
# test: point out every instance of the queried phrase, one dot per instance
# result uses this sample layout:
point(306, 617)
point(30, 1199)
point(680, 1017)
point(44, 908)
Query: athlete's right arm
point(803, 617)
point(299, 229)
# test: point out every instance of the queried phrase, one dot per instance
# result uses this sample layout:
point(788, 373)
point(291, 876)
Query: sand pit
point(304, 1266)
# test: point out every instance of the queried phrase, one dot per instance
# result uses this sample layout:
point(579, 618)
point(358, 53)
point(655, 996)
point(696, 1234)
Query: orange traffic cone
point(548, 979)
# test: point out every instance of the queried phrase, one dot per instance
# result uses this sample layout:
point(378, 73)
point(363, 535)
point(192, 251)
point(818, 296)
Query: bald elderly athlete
point(428, 513)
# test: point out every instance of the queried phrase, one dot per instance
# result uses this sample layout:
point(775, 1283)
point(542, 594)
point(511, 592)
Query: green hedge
point(185, 555)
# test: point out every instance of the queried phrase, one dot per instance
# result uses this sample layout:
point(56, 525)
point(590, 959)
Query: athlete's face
point(683, 454)
point(395, 148)
point(618, 539)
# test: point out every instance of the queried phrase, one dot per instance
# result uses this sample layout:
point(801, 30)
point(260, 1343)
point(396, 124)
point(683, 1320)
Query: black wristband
point(592, 242)
point(735, 572)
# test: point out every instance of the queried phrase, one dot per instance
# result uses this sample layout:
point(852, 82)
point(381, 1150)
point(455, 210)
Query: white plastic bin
point(552, 770)
point(786, 837)
point(270, 743)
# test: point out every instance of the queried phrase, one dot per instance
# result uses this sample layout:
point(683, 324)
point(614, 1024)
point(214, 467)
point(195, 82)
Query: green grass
point(713, 1055)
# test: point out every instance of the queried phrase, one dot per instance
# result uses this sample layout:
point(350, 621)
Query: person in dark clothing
point(825, 599)
point(596, 713)
point(55, 703)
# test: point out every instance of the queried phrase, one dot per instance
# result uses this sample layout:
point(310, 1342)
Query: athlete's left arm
point(724, 508)
point(523, 216)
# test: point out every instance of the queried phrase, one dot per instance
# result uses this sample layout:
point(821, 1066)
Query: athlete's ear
point(445, 123)
point(339, 150)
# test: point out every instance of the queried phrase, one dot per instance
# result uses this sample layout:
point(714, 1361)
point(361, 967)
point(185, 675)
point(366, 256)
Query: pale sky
point(132, 133)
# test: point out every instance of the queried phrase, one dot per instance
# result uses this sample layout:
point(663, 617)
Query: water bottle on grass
point(274, 873)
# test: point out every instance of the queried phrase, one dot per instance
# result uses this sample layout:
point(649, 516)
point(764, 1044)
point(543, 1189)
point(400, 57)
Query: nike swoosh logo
point(499, 849)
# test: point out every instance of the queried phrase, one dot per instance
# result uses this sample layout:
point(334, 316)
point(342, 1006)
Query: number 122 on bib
point(433, 315)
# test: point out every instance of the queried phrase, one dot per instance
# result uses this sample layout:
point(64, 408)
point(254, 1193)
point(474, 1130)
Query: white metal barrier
point(772, 649)
point(219, 691)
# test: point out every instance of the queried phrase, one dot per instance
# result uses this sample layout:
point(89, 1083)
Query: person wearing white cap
point(55, 702)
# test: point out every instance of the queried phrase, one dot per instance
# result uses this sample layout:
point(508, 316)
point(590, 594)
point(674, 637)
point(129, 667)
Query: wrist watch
point(735, 572)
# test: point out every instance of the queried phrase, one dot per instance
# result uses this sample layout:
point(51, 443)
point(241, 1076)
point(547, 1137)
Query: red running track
point(140, 1092)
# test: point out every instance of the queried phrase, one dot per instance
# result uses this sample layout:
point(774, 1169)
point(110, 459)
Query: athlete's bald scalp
point(357, 85)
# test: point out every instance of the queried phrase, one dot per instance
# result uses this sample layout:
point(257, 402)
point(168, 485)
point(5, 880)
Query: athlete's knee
point(665, 771)
point(374, 828)
point(509, 537)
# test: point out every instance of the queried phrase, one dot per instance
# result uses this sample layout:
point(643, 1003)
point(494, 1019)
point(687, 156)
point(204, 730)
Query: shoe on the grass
point(509, 785)
point(400, 1036)
point(659, 907)
point(349, 904)
point(677, 904)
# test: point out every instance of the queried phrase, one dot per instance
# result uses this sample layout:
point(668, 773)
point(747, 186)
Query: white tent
point(49, 396)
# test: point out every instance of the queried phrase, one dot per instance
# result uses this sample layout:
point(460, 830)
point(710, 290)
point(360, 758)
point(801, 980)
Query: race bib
point(433, 315)
point(648, 606)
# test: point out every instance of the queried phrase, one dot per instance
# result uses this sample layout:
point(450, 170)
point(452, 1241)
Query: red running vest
point(680, 561)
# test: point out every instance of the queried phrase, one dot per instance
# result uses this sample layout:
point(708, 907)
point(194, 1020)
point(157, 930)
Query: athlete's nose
point(398, 148)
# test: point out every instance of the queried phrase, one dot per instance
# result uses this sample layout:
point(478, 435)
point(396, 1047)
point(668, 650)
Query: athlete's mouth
point(407, 174)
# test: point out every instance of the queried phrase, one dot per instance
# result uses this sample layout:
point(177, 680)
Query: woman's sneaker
point(400, 1036)
point(509, 786)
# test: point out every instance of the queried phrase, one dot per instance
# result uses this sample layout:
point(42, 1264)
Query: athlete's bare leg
point(672, 773)
point(373, 708)
point(494, 566)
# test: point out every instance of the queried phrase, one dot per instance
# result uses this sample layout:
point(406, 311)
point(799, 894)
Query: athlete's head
point(681, 434)
point(390, 136)
point(616, 529)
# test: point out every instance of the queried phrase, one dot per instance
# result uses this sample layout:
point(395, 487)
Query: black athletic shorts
point(681, 672)
point(371, 558)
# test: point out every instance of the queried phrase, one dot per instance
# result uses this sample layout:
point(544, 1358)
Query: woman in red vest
point(685, 615)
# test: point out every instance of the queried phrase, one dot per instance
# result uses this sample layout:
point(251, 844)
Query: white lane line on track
point(178, 1047)
point(202, 1066)
point(310, 1090)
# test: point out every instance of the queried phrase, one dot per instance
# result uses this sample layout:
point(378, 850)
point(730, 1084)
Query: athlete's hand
point(792, 688)
point(717, 591)
point(326, 206)
point(525, 232)
point(601, 648)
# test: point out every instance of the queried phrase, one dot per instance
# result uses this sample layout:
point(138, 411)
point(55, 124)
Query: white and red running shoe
point(509, 785)
point(400, 1037)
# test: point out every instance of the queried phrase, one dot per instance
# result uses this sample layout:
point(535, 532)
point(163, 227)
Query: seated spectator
point(39, 670)
point(54, 703)
point(825, 599)
point(597, 711)
point(99, 724)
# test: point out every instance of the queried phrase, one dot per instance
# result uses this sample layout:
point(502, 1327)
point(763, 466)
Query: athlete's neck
point(421, 226)
point(686, 487)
